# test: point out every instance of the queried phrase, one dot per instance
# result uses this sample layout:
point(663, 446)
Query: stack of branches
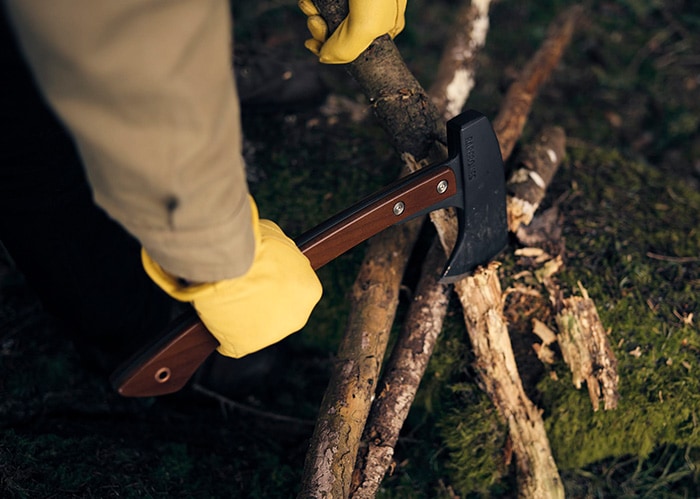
point(360, 417)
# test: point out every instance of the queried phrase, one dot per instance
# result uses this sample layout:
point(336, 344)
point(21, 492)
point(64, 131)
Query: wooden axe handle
point(165, 365)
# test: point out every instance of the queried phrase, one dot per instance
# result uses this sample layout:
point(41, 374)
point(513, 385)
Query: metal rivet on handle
point(399, 207)
point(162, 375)
point(442, 186)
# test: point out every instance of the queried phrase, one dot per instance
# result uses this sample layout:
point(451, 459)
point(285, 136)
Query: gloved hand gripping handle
point(472, 180)
point(166, 365)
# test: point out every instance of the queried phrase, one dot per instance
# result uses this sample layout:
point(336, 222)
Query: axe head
point(475, 157)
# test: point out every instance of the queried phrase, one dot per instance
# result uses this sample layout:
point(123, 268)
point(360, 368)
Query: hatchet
point(472, 180)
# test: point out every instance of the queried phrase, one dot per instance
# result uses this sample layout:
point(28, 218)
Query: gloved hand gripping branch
point(269, 302)
point(366, 20)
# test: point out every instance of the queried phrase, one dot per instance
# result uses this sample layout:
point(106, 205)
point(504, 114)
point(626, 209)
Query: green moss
point(630, 231)
point(476, 438)
point(632, 240)
point(470, 429)
point(643, 420)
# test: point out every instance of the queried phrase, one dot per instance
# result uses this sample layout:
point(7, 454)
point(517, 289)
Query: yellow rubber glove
point(271, 301)
point(366, 20)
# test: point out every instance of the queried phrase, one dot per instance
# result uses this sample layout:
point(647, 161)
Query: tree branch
point(509, 126)
point(403, 374)
point(412, 123)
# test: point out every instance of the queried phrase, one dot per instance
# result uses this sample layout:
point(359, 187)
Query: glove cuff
point(179, 288)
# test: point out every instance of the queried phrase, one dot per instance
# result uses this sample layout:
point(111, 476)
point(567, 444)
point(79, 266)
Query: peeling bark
point(456, 72)
point(536, 166)
point(585, 347)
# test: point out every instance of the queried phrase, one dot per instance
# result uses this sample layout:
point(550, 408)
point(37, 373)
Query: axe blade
point(481, 208)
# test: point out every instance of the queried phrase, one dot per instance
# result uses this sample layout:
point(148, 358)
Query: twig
point(403, 374)
point(673, 259)
point(247, 409)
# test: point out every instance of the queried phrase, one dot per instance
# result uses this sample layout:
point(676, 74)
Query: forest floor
point(627, 93)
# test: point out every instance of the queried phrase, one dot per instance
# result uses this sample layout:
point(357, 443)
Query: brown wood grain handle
point(398, 202)
point(166, 365)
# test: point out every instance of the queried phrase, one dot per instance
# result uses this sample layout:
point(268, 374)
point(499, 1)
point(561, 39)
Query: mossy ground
point(628, 95)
